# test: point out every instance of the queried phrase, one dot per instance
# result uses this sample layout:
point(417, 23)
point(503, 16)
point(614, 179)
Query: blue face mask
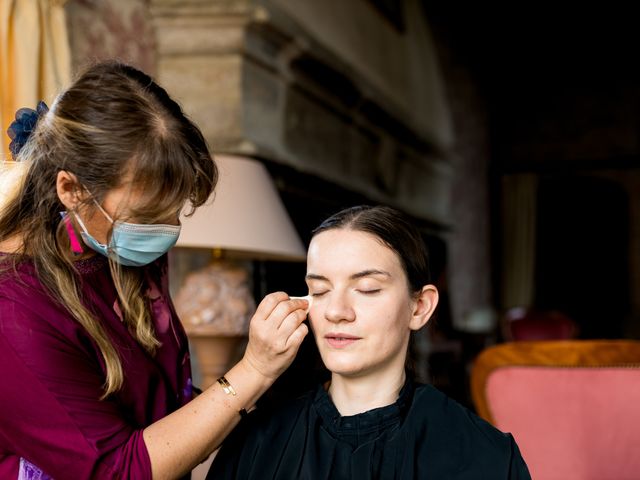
point(133, 245)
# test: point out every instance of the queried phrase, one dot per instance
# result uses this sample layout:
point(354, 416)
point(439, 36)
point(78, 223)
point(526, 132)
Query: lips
point(340, 340)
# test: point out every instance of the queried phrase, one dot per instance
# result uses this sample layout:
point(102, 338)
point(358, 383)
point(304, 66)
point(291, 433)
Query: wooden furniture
point(572, 406)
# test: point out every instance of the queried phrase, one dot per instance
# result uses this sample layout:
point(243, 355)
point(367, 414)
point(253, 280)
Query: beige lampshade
point(245, 215)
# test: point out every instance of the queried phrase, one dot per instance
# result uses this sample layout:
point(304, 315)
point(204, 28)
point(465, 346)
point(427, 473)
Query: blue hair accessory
point(23, 126)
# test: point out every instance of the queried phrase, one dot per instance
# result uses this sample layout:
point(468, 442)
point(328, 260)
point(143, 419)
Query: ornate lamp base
point(215, 354)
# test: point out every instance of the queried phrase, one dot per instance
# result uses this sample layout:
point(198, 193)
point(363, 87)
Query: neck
point(15, 245)
point(353, 395)
point(11, 245)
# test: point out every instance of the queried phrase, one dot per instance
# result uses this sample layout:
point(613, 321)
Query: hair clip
point(23, 126)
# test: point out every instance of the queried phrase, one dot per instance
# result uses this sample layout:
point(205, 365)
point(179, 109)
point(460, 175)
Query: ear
point(68, 189)
point(424, 307)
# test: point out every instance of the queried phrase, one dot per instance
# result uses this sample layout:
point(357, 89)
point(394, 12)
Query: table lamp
point(244, 220)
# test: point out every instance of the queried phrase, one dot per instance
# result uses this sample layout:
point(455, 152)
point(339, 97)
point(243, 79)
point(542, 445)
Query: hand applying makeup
point(309, 300)
point(275, 333)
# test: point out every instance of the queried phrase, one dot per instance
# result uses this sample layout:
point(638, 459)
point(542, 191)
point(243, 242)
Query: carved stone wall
point(121, 29)
point(261, 82)
point(469, 266)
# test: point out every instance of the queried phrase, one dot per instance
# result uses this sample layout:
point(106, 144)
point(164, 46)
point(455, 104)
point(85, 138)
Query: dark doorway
point(582, 263)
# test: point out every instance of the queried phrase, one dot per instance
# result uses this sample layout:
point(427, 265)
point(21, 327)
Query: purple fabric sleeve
point(50, 412)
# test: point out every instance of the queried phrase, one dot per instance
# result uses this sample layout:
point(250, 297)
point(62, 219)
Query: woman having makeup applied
point(95, 376)
point(368, 280)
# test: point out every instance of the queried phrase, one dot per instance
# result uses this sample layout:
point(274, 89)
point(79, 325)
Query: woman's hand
point(179, 441)
point(275, 334)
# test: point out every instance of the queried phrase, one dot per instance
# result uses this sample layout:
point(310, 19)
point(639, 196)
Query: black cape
point(424, 435)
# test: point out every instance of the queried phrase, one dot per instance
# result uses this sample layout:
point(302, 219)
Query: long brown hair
point(113, 120)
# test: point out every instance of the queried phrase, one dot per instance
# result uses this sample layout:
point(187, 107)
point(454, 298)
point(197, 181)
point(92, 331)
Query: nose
point(339, 308)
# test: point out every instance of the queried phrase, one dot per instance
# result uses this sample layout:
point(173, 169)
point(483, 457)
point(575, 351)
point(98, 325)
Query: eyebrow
point(364, 273)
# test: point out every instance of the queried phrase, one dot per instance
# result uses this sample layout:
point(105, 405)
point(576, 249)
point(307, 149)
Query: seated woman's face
point(361, 305)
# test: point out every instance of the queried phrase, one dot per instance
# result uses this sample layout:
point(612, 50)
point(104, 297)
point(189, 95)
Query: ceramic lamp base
point(214, 355)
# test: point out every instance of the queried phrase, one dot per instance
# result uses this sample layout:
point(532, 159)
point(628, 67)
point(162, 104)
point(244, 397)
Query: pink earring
point(76, 246)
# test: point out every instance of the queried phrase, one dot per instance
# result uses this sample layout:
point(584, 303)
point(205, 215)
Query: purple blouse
point(52, 422)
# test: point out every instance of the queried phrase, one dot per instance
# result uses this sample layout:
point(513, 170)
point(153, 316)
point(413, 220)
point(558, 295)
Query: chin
point(344, 368)
point(356, 373)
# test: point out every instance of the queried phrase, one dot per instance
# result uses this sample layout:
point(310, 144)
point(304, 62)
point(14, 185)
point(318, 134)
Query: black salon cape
point(424, 435)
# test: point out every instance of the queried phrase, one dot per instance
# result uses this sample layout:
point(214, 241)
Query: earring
point(76, 246)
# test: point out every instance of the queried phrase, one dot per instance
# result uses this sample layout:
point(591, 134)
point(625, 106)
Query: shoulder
point(444, 407)
point(260, 436)
point(29, 316)
point(11, 275)
point(277, 421)
point(446, 418)
point(21, 290)
point(264, 425)
point(456, 442)
point(20, 282)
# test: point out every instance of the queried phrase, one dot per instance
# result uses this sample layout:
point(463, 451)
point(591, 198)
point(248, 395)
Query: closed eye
point(318, 294)
point(370, 292)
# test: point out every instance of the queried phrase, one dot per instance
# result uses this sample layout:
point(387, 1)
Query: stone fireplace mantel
point(260, 80)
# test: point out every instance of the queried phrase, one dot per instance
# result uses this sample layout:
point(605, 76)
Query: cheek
point(98, 226)
point(395, 324)
point(312, 315)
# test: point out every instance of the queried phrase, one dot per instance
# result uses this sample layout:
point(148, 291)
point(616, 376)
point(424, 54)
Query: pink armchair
point(573, 406)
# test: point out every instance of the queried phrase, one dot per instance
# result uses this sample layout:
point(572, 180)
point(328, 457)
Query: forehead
point(349, 251)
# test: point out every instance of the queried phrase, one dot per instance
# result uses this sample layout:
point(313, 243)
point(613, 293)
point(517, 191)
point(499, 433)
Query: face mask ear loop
point(104, 212)
point(81, 222)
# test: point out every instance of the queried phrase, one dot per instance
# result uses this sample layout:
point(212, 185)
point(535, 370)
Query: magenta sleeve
point(50, 412)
